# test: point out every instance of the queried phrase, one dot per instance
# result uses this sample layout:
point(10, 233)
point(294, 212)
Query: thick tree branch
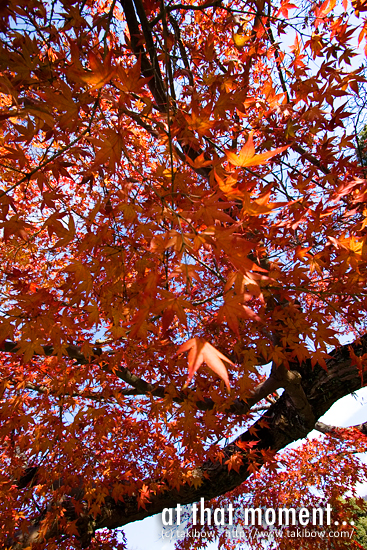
point(291, 381)
point(338, 432)
point(283, 426)
point(150, 46)
point(149, 71)
point(279, 426)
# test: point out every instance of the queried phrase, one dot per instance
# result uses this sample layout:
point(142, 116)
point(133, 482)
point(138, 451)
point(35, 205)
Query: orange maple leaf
point(203, 352)
point(234, 462)
point(100, 73)
point(71, 529)
point(256, 207)
point(247, 155)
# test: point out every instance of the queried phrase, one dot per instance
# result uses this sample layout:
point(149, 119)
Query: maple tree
point(174, 178)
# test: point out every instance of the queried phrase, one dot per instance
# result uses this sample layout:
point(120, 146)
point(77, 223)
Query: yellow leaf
point(240, 38)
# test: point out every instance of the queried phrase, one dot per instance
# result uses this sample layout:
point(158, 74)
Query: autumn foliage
point(182, 202)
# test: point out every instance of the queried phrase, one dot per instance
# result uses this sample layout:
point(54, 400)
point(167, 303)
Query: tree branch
point(280, 377)
point(279, 426)
point(155, 85)
point(338, 432)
